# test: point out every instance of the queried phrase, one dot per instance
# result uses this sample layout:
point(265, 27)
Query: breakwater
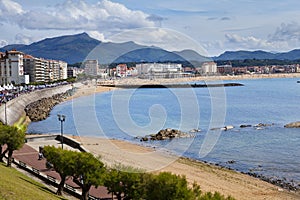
point(14, 109)
point(40, 110)
point(172, 85)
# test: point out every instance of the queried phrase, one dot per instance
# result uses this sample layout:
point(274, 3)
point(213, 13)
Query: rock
point(166, 134)
point(245, 125)
point(225, 128)
point(262, 125)
point(195, 130)
point(40, 110)
point(144, 139)
point(293, 125)
point(231, 161)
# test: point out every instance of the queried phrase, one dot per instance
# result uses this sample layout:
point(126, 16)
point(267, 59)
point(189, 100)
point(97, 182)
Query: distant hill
point(70, 48)
point(77, 48)
point(260, 55)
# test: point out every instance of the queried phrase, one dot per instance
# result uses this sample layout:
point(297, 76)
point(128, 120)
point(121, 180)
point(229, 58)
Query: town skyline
point(217, 26)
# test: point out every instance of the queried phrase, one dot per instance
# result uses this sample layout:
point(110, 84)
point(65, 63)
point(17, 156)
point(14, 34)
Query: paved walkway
point(27, 156)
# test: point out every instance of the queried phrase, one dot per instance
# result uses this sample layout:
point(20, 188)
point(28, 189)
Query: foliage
point(125, 182)
point(88, 171)
point(256, 62)
point(14, 138)
point(169, 186)
point(63, 162)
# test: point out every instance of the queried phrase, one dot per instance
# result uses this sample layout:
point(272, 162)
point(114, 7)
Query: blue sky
point(217, 26)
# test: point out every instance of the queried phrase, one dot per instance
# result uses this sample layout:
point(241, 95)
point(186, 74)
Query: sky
point(214, 26)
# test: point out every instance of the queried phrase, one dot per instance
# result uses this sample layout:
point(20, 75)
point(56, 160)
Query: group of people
point(11, 92)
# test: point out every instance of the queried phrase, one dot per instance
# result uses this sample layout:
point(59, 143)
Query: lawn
point(15, 185)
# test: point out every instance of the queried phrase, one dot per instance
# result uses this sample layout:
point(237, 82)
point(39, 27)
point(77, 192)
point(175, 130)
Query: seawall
point(15, 107)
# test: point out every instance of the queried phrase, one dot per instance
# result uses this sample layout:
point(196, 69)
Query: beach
point(209, 177)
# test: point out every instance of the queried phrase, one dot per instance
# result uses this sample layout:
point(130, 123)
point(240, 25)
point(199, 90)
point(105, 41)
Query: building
point(18, 68)
point(224, 69)
point(91, 67)
point(209, 68)
point(121, 70)
point(159, 70)
point(36, 68)
point(63, 70)
point(12, 68)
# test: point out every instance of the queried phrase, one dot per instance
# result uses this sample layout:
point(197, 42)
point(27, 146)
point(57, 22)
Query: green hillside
point(15, 185)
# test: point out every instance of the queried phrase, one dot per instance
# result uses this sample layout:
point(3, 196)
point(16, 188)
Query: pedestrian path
point(28, 158)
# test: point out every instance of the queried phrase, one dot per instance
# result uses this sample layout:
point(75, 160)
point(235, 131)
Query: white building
point(36, 68)
point(159, 70)
point(63, 70)
point(209, 68)
point(91, 67)
point(12, 68)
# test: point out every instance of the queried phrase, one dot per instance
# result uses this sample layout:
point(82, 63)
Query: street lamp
point(5, 112)
point(61, 118)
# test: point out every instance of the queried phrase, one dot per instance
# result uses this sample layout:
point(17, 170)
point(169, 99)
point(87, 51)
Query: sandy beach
point(209, 177)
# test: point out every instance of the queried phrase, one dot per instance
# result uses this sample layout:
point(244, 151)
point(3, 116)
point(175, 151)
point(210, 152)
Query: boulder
point(293, 125)
point(40, 110)
point(245, 125)
point(165, 134)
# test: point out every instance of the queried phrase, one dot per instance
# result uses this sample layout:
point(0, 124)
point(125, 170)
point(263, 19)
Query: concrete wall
point(15, 107)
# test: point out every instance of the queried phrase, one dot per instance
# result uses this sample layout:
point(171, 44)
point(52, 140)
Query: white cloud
point(9, 8)
point(23, 39)
point(75, 15)
point(287, 32)
point(3, 43)
point(254, 43)
point(166, 39)
point(97, 35)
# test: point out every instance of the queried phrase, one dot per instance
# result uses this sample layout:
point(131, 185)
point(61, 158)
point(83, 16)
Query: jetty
point(187, 85)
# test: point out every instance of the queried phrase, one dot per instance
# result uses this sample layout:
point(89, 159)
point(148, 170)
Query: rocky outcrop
point(40, 110)
point(166, 134)
point(293, 125)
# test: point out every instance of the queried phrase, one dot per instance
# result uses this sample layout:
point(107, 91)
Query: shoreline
point(210, 177)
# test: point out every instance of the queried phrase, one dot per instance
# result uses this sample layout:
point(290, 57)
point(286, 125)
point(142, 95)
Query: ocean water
point(272, 151)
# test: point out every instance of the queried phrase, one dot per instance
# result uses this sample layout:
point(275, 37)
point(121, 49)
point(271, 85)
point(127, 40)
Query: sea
point(264, 147)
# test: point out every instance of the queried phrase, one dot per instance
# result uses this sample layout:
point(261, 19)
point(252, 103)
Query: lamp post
point(61, 118)
point(5, 112)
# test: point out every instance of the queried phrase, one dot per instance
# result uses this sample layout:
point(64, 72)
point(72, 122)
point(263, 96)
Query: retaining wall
point(15, 107)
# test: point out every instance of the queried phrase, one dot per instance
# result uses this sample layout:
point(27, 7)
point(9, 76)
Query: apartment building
point(36, 68)
point(209, 68)
point(12, 68)
point(91, 67)
point(17, 68)
point(159, 70)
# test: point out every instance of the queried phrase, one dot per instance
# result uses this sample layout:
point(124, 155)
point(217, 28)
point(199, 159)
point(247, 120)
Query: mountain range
point(77, 48)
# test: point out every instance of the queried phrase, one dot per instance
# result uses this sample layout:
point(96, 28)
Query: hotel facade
point(19, 68)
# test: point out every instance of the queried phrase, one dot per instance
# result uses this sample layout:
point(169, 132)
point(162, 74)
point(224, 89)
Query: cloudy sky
point(217, 26)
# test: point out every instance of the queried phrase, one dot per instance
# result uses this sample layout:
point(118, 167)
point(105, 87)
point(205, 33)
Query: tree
point(88, 171)
point(63, 162)
point(3, 136)
point(125, 182)
point(14, 138)
point(167, 186)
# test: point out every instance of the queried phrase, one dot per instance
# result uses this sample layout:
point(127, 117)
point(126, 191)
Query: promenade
point(28, 158)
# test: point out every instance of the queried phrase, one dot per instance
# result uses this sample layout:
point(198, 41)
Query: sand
point(209, 177)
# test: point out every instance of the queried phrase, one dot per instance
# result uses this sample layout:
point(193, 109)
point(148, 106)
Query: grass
point(14, 186)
